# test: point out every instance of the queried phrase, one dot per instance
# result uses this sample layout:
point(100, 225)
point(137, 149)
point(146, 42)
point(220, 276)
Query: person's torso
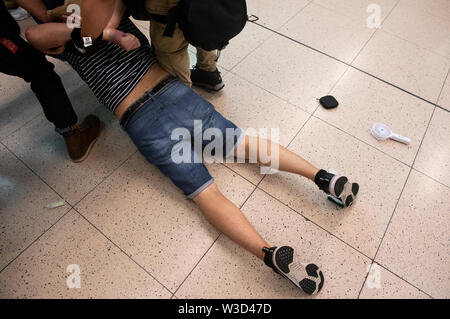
point(111, 72)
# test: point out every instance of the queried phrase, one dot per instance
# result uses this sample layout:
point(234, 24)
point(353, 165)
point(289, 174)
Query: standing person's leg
point(172, 52)
point(206, 60)
point(205, 74)
point(32, 66)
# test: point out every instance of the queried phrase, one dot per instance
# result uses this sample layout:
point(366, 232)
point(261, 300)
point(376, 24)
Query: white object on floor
point(19, 13)
point(56, 204)
point(382, 132)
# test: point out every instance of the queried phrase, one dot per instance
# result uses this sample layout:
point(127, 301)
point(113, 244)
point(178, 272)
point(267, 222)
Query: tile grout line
point(443, 85)
point(70, 205)
point(296, 14)
point(431, 178)
point(35, 240)
point(399, 199)
point(361, 141)
point(386, 154)
point(314, 223)
point(415, 44)
point(373, 34)
point(423, 139)
point(19, 128)
point(271, 93)
point(36, 174)
point(197, 263)
point(105, 178)
point(390, 271)
point(257, 47)
point(385, 231)
point(353, 67)
point(123, 251)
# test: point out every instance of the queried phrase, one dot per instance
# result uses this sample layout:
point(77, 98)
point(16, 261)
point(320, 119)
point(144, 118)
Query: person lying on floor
point(152, 107)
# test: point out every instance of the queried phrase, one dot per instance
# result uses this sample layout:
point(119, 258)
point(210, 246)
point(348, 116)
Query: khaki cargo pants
point(172, 52)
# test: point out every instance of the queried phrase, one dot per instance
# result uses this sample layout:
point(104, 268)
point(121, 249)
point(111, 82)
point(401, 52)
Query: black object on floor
point(329, 102)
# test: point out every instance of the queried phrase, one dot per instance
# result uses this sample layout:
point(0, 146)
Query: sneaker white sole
point(307, 277)
point(342, 190)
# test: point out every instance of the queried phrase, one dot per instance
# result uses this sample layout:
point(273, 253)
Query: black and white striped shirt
point(111, 72)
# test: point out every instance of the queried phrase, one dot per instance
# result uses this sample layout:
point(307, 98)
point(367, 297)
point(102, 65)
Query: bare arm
point(36, 8)
point(119, 10)
point(49, 38)
point(96, 15)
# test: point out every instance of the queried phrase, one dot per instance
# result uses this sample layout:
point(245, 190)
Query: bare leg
point(342, 191)
point(288, 161)
point(229, 219)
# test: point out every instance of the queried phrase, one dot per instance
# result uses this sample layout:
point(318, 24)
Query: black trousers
point(32, 66)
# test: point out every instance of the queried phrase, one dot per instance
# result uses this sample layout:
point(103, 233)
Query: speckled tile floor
point(150, 242)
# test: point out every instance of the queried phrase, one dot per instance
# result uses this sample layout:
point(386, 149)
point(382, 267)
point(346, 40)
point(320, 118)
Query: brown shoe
point(80, 143)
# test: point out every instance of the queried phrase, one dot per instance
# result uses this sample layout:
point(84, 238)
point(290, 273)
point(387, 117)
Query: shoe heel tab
point(268, 254)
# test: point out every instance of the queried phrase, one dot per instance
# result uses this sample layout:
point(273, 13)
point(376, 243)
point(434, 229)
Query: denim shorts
point(155, 127)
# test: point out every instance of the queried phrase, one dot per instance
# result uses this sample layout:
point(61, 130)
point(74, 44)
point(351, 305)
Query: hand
point(126, 41)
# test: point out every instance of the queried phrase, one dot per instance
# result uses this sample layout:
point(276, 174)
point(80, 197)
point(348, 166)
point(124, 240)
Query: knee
point(212, 191)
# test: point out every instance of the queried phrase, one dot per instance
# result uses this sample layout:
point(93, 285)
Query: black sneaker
point(209, 80)
point(338, 186)
point(308, 277)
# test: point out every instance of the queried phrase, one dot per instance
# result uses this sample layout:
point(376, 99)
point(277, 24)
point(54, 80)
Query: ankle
point(323, 179)
point(67, 131)
point(268, 254)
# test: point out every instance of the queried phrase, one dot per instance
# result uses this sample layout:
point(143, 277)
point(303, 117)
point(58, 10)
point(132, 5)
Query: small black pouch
point(329, 102)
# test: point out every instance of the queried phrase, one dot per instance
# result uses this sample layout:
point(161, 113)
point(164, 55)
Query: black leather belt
point(126, 117)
